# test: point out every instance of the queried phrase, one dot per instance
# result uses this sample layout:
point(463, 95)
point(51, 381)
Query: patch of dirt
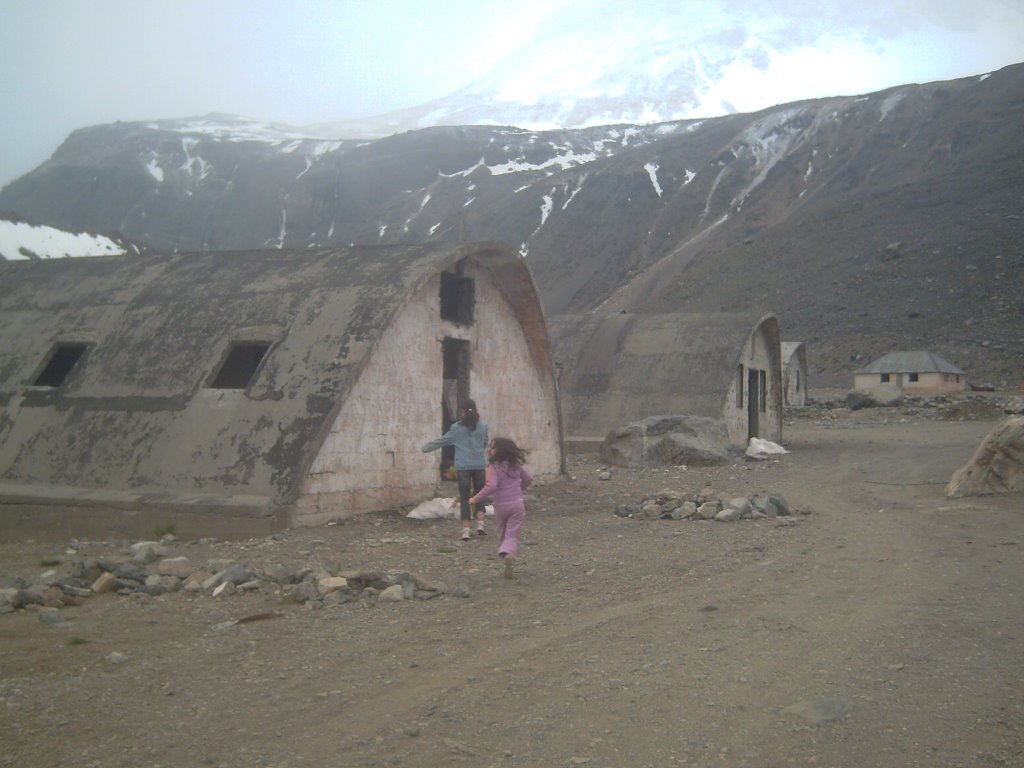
point(884, 629)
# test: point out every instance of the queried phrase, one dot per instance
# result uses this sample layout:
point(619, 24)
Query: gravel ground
point(884, 628)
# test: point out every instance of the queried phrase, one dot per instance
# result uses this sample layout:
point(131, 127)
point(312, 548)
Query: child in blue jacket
point(469, 436)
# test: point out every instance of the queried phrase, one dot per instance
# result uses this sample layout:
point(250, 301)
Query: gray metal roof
point(918, 361)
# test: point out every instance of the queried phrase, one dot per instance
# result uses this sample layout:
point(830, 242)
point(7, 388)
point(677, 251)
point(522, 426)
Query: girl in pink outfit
point(506, 480)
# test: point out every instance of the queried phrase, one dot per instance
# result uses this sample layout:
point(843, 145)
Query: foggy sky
point(73, 63)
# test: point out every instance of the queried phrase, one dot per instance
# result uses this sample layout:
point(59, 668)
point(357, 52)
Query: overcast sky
point(73, 63)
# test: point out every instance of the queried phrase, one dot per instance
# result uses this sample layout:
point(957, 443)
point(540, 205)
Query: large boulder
point(881, 396)
point(997, 465)
point(668, 441)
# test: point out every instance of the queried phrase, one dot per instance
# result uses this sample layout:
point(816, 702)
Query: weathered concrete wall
point(138, 426)
point(371, 458)
point(620, 368)
point(794, 374)
point(762, 353)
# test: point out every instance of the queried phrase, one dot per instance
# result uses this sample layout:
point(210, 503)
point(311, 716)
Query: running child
point(507, 478)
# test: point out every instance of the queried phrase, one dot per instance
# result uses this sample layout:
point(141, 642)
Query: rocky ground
point(882, 625)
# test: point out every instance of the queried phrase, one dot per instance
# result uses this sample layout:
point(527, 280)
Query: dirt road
point(885, 629)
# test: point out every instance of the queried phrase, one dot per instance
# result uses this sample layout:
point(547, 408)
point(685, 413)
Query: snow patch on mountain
point(20, 242)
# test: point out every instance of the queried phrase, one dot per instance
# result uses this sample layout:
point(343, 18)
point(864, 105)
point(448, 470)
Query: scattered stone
point(392, 594)
point(331, 584)
point(742, 506)
point(706, 505)
point(224, 589)
point(180, 567)
point(50, 616)
point(145, 552)
point(237, 574)
point(117, 658)
point(107, 582)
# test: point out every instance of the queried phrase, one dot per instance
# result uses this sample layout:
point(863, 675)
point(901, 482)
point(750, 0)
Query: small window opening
point(457, 298)
point(239, 367)
point(63, 360)
point(913, 377)
point(885, 378)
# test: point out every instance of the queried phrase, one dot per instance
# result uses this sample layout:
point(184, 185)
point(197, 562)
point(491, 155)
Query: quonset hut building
point(618, 368)
point(240, 393)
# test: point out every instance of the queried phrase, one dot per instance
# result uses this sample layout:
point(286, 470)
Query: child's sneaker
point(480, 528)
point(509, 565)
point(465, 534)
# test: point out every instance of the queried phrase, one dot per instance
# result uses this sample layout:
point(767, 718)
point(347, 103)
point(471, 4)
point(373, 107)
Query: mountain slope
point(866, 223)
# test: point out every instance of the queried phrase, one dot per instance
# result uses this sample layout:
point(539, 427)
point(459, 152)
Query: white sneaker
point(480, 528)
point(465, 534)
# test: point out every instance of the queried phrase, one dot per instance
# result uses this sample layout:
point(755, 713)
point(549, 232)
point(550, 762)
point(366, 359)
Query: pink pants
point(509, 519)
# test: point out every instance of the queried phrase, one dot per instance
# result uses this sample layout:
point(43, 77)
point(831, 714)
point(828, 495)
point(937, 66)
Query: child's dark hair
point(506, 450)
point(469, 414)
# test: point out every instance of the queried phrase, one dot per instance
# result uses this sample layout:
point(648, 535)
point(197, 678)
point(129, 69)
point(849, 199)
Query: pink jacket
point(505, 483)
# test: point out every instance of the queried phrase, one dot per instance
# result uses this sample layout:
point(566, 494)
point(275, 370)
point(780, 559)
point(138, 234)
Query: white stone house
point(915, 372)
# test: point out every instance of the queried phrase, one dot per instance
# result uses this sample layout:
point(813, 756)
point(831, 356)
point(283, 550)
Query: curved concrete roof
point(640, 365)
point(137, 417)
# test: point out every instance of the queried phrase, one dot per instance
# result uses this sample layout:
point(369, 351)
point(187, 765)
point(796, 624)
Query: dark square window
point(63, 359)
point(885, 378)
point(457, 298)
point(913, 377)
point(240, 364)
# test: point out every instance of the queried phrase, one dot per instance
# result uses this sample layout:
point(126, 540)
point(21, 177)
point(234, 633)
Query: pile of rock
point(707, 505)
point(152, 570)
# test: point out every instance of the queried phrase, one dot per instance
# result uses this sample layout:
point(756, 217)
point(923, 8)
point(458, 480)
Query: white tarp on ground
point(440, 509)
point(760, 449)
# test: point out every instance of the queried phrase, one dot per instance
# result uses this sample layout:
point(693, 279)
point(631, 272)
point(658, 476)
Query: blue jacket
point(470, 445)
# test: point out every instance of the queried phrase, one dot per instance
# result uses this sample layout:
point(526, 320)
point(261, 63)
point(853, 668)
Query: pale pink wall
point(372, 458)
point(927, 383)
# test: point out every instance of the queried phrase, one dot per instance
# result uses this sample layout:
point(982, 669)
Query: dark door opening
point(753, 399)
point(454, 390)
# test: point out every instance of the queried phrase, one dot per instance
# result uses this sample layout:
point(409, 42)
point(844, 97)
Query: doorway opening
point(754, 394)
point(454, 391)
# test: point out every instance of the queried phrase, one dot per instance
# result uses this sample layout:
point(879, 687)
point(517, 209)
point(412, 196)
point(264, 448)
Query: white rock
point(392, 594)
point(175, 566)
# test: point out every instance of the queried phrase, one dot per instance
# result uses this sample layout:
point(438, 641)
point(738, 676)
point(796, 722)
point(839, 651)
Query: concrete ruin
point(794, 374)
point(230, 394)
point(620, 368)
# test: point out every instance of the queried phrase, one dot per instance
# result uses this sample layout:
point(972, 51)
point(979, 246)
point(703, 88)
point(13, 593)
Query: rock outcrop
point(997, 466)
